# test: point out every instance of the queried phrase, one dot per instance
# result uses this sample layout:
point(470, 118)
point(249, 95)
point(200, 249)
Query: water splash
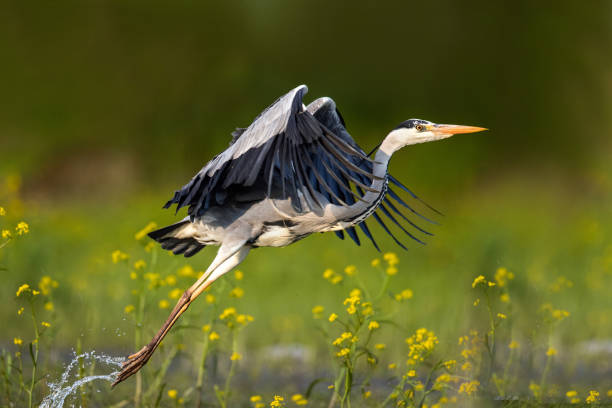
point(67, 386)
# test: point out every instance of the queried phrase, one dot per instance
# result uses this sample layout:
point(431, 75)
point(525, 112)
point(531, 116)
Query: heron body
point(293, 172)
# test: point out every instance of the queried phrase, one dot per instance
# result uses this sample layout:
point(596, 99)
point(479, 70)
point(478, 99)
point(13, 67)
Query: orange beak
point(448, 130)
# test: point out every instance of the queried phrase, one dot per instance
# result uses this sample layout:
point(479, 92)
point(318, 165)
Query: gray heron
point(293, 172)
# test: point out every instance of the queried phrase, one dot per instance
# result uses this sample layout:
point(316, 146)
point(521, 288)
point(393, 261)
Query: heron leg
point(228, 257)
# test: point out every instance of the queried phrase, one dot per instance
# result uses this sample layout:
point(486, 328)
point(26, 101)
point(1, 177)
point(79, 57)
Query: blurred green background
point(107, 107)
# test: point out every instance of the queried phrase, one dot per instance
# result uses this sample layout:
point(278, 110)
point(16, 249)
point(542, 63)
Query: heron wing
point(326, 112)
point(282, 152)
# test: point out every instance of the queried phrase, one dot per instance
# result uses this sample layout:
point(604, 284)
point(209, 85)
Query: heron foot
point(134, 363)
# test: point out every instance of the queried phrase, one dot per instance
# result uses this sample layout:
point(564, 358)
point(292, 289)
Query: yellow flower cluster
point(350, 270)
point(235, 356)
point(593, 397)
point(560, 283)
point(187, 271)
point(22, 228)
point(404, 295)
point(46, 284)
point(502, 276)
point(143, 232)
point(257, 401)
point(420, 344)
point(278, 402)
point(555, 314)
point(343, 336)
point(237, 292)
point(551, 352)
point(469, 387)
point(2, 212)
point(332, 276)
point(317, 311)
point(299, 399)
point(353, 301)
point(231, 317)
point(573, 397)
point(118, 256)
point(392, 260)
point(22, 289)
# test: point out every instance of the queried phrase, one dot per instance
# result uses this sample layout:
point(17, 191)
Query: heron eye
point(419, 128)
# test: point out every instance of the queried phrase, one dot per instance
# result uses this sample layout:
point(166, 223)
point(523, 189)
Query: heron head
point(415, 131)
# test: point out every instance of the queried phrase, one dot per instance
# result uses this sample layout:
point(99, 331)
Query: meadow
point(507, 305)
point(107, 108)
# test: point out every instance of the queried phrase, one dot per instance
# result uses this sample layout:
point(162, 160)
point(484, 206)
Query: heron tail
point(178, 238)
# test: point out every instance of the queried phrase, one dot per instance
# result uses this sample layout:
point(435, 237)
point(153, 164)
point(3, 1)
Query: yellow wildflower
point(186, 271)
point(210, 298)
point(513, 345)
point(593, 397)
point(49, 306)
point(343, 352)
point(450, 364)
point(502, 276)
point(6, 234)
point(23, 288)
point(391, 270)
point(174, 293)
point(380, 346)
point(375, 262)
point(206, 328)
point(164, 304)
point(479, 279)
point(35, 292)
point(172, 394)
point(476, 302)
point(411, 373)
point(128, 309)
point(278, 402)
point(367, 394)
point(332, 317)
point(235, 356)
point(467, 366)
point(609, 393)
point(328, 273)
point(213, 336)
point(238, 275)
point(373, 325)
point(20, 311)
point(140, 264)
point(170, 280)
point(149, 247)
point(559, 314)
point(119, 256)
point(22, 228)
point(143, 232)
point(17, 341)
point(343, 336)
point(255, 398)
point(317, 310)
point(391, 258)
point(419, 386)
point(501, 316)
point(299, 399)
point(133, 275)
point(45, 324)
point(392, 366)
point(237, 292)
point(2, 212)
point(336, 279)
point(227, 313)
point(350, 270)
point(244, 318)
point(571, 394)
point(504, 297)
point(551, 351)
point(469, 388)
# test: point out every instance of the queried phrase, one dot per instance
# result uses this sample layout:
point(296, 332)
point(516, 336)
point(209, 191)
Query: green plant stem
point(33, 355)
point(201, 371)
point(231, 370)
point(137, 341)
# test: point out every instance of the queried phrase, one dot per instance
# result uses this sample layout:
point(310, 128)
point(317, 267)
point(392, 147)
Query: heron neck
point(347, 216)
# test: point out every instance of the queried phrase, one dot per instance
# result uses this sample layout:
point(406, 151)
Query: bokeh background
point(107, 107)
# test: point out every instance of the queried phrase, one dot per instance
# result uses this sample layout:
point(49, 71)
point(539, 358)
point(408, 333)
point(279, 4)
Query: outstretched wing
point(275, 153)
point(326, 112)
